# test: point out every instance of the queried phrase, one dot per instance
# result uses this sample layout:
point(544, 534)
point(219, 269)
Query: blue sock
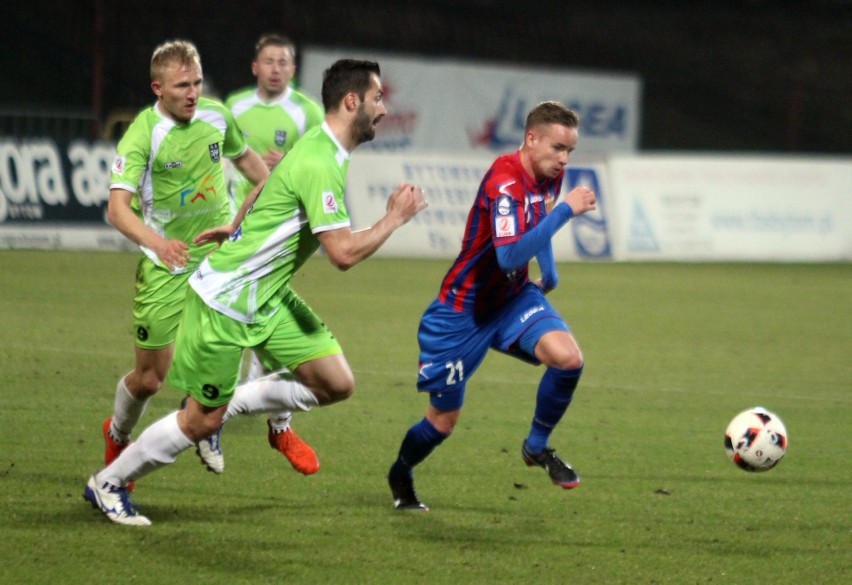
point(554, 395)
point(419, 442)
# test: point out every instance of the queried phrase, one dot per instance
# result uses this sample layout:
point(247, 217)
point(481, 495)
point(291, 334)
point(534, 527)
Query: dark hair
point(552, 113)
point(344, 76)
point(276, 40)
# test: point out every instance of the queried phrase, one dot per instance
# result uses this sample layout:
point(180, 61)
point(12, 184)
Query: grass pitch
point(673, 352)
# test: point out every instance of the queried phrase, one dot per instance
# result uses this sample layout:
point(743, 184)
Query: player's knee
point(148, 384)
point(567, 360)
point(337, 390)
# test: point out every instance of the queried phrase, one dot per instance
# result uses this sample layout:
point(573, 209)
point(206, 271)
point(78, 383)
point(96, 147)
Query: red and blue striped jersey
point(508, 204)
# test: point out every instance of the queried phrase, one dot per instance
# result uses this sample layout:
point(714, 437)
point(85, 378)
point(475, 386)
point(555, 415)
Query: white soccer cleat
point(114, 502)
point(209, 450)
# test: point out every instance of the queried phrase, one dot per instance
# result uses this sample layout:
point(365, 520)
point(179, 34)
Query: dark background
point(720, 75)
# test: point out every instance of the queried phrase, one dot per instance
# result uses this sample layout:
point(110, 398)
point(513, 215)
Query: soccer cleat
point(298, 453)
point(114, 449)
point(404, 496)
point(209, 450)
point(114, 502)
point(561, 473)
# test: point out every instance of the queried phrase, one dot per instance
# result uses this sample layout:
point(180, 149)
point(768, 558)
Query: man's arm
point(172, 253)
point(248, 165)
point(513, 256)
point(346, 248)
point(251, 166)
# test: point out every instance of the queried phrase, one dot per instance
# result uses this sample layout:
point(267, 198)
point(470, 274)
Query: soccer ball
point(756, 439)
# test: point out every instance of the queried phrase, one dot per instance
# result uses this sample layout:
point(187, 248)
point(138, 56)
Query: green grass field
point(673, 352)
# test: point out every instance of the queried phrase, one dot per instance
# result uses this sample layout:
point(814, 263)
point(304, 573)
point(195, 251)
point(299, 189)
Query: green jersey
point(302, 197)
point(269, 126)
point(175, 173)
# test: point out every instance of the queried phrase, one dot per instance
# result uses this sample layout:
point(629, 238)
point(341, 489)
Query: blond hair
point(177, 51)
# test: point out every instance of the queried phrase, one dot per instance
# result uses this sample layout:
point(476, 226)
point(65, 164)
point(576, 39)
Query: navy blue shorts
point(453, 345)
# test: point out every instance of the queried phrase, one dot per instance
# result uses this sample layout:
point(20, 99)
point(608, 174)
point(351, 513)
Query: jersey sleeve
point(505, 195)
point(321, 190)
point(131, 157)
point(234, 142)
point(314, 114)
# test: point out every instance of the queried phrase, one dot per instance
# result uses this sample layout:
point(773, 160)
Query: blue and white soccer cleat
point(114, 502)
point(209, 450)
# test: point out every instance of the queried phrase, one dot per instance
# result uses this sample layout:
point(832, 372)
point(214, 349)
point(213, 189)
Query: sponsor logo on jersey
point(118, 164)
point(280, 137)
point(173, 164)
point(214, 152)
point(504, 205)
point(537, 198)
point(329, 203)
point(504, 226)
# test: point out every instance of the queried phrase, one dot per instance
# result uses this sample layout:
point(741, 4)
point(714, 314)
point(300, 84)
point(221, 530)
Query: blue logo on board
point(591, 232)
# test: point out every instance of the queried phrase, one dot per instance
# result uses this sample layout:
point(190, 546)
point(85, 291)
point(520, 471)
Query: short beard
point(362, 127)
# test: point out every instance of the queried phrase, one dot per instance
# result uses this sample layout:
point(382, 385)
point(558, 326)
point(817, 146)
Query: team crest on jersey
point(504, 205)
point(118, 164)
point(504, 226)
point(280, 137)
point(214, 152)
point(329, 203)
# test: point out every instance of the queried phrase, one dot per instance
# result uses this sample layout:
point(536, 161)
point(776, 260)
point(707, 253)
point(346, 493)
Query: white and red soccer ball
point(756, 439)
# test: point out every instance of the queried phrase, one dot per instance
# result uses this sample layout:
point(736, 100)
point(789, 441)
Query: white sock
point(270, 394)
point(156, 447)
point(280, 422)
point(126, 412)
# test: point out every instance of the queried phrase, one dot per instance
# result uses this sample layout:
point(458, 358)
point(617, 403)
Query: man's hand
point(405, 202)
point(540, 284)
point(172, 253)
point(216, 234)
point(271, 158)
point(581, 200)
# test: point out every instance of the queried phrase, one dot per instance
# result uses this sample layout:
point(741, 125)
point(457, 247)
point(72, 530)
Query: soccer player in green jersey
point(168, 186)
point(272, 116)
point(242, 298)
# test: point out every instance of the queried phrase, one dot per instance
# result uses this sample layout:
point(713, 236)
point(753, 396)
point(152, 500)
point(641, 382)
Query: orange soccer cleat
point(114, 449)
point(298, 453)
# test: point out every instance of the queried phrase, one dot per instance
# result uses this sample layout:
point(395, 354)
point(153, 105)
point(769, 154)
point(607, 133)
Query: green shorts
point(157, 304)
point(209, 346)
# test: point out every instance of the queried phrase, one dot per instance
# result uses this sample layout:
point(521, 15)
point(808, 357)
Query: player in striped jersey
point(487, 300)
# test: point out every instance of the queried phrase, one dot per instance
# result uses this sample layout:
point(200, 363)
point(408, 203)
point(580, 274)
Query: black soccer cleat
point(561, 473)
point(404, 496)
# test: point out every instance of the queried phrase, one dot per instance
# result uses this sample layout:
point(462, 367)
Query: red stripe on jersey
point(475, 281)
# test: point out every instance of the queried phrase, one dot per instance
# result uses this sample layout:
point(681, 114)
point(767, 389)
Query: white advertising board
point(731, 208)
point(451, 184)
point(450, 105)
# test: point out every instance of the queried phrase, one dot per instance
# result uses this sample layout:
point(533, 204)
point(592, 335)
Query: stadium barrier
point(651, 207)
